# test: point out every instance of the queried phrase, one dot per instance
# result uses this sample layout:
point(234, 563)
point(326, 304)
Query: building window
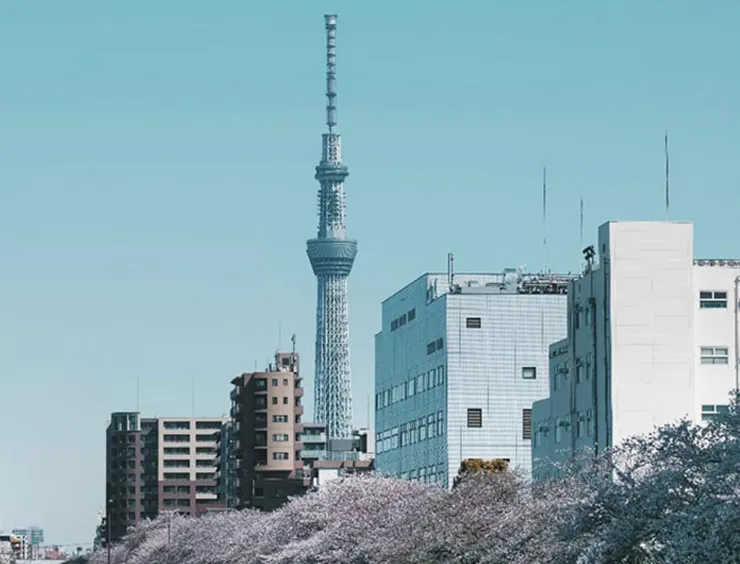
point(274, 381)
point(589, 422)
point(580, 425)
point(714, 355)
point(440, 344)
point(177, 450)
point(176, 463)
point(472, 323)
point(394, 324)
point(280, 437)
point(527, 424)
point(712, 300)
point(281, 456)
point(431, 428)
point(422, 429)
point(559, 424)
point(420, 383)
point(183, 425)
point(440, 423)
point(710, 412)
point(285, 401)
point(205, 475)
point(431, 348)
point(260, 384)
point(529, 372)
point(279, 418)
point(411, 387)
point(412, 314)
point(475, 417)
point(588, 315)
point(285, 381)
point(579, 371)
point(176, 476)
point(274, 401)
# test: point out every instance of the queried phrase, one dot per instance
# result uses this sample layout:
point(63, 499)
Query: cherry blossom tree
point(666, 497)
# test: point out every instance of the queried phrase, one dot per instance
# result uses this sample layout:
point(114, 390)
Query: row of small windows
point(403, 320)
point(431, 379)
point(186, 476)
point(183, 425)
point(186, 438)
point(583, 421)
point(435, 346)
point(585, 369)
point(185, 463)
point(411, 433)
point(186, 450)
point(434, 474)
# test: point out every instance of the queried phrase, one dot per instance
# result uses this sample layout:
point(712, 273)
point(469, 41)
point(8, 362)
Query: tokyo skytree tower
point(332, 255)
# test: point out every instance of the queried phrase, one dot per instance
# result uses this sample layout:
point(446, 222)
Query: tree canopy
point(668, 497)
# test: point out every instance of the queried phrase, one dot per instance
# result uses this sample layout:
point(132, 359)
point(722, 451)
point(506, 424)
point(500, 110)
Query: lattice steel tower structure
point(332, 255)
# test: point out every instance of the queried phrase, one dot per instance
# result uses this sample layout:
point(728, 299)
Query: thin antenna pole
point(331, 71)
point(667, 178)
point(581, 222)
point(544, 219)
point(193, 397)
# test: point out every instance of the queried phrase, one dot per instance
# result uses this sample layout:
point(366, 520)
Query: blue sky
point(156, 185)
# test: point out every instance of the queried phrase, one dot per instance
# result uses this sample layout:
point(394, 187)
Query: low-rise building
point(652, 337)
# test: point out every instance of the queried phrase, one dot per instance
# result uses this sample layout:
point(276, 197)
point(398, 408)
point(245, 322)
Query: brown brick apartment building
point(266, 409)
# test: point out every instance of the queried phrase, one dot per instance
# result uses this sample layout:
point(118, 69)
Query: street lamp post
point(108, 526)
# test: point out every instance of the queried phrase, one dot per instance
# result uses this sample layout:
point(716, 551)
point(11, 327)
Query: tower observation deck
point(332, 255)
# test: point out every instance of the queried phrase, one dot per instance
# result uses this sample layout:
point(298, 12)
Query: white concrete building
point(652, 337)
point(458, 362)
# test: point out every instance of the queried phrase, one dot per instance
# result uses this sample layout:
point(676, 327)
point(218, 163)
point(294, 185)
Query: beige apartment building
point(159, 464)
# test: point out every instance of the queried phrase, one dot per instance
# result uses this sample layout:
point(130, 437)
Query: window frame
point(714, 355)
point(713, 299)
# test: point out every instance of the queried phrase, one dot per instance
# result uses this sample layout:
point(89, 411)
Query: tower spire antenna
point(332, 255)
point(331, 71)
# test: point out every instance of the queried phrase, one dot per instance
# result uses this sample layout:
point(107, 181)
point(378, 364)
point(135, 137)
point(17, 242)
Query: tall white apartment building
point(458, 362)
point(652, 337)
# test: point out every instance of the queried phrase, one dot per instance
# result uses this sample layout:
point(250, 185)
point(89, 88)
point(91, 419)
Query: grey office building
point(458, 363)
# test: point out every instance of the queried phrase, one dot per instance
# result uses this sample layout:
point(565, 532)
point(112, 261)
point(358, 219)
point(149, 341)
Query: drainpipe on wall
point(737, 336)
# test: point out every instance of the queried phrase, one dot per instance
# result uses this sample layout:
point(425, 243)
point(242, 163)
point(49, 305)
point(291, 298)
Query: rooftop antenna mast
point(544, 219)
point(193, 398)
point(450, 270)
point(667, 177)
point(292, 340)
point(581, 245)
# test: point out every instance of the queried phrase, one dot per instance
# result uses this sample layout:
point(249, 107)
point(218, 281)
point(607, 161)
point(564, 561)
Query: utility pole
point(108, 527)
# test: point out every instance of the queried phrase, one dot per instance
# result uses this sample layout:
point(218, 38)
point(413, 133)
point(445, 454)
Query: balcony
point(313, 454)
point(299, 392)
point(319, 438)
